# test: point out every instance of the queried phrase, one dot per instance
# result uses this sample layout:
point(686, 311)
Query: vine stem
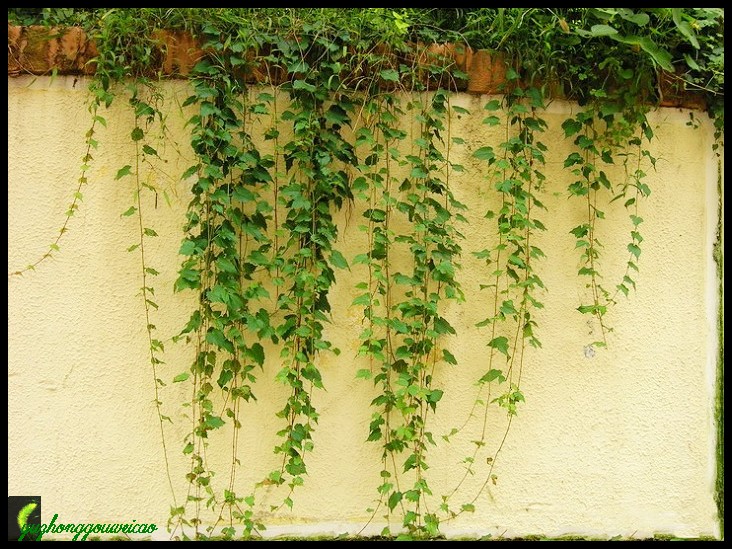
point(592, 217)
point(635, 212)
point(491, 355)
point(388, 308)
point(77, 198)
point(154, 361)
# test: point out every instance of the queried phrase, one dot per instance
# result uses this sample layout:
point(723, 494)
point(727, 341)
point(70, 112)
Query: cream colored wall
point(621, 443)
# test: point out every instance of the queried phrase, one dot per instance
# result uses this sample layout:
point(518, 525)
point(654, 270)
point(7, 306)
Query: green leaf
point(419, 172)
point(215, 422)
point(188, 448)
point(399, 326)
point(181, 377)
point(403, 279)
point(361, 259)
point(684, 27)
point(299, 202)
point(602, 30)
point(492, 105)
point(302, 85)
point(445, 268)
point(410, 463)
point(336, 115)
point(580, 231)
point(483, 254)
point(648, 132)
point(137, 134)
point(147, 149)
point(449, 357)
point(131, 210)
point(363, 299)
point(513, 259)
point(635, 250)
point(442, 326)
point(571, 127)
point(207, 109)
point(500, 344)
point(187, 248)
point(485, 153)
point(629, 280)
point(573, 159)
point(578, 188)
point(243, 194)
point(226, 265)
point(276, 477)
point(639, 19)
point(394, 500)
point(390, 75)
point(337, 260)
point(216, 337)
point(508, 309)
point(256, 351)
point(690, 61)
point(127, 170)
point(434, 396)
point(592, 309)
point(584, 142)
point(190, 171)
point(493, 375)
point(659, 55)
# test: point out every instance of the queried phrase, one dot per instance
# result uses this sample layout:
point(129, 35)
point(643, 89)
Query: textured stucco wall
point(622, 443)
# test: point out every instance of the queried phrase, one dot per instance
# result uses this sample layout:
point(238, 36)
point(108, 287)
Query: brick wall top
point(41, 50)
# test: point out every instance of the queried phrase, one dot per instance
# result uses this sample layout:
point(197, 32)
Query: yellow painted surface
point(619, 443)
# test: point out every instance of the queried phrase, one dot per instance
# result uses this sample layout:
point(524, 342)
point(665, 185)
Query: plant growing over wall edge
point(260, 241)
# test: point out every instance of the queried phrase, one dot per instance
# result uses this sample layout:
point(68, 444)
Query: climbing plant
point(298, 114)
point(515, 172)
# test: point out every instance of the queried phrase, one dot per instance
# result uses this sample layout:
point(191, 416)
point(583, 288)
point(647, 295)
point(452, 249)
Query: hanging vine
point(603, 134)
point(147, 113)
point(295, 115)
point(226, 247)
point(405, 329)
point(317, 185)
point(516, 173)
